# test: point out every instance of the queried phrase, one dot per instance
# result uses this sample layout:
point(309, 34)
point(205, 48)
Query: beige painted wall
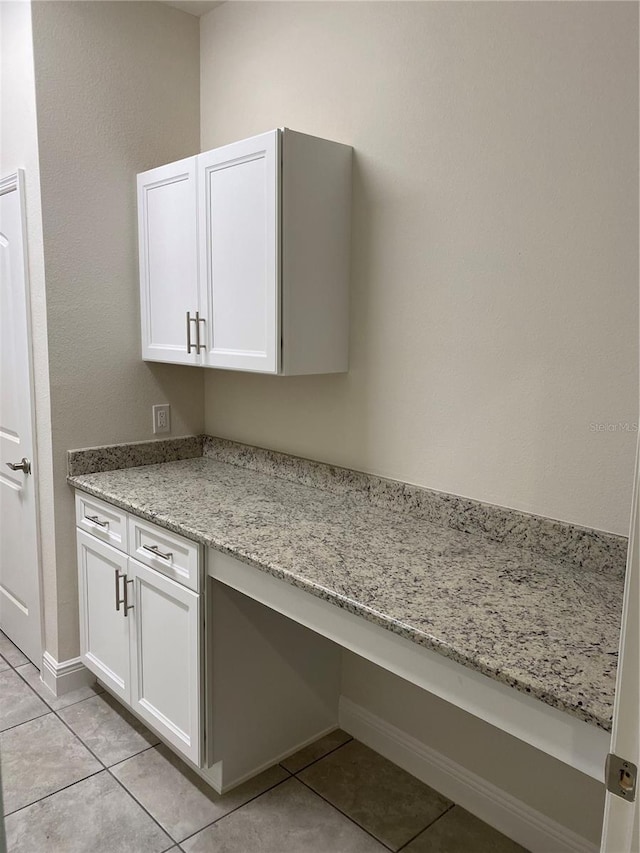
point(495, 240)
point(117, 92)
point(494, 311)
point(19, 150)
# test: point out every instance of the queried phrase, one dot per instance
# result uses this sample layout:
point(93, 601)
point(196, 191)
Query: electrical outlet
point(162, 418)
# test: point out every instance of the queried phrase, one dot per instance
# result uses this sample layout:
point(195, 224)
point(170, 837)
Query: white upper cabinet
point(168, 249)
point(263, 243)
point(239, 258)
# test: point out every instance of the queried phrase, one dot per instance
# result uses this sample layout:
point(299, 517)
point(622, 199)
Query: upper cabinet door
point(238, 189)
point(168, 247)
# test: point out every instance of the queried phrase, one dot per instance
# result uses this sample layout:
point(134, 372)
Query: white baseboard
point(515, 819)
point(64, 676)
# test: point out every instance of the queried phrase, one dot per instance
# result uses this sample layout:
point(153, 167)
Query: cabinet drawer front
point(166, 552)
point(102, 520)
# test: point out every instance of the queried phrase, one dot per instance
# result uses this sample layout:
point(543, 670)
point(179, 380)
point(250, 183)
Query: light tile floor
point(81, 775)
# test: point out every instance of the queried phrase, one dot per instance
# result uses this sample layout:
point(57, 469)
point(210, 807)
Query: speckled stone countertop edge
point(580, 546)
point(383, 620)
point(111, 457)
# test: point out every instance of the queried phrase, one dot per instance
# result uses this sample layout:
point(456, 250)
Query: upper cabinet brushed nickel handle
point(95, 520)
point(23, 465)
point(199, 320)
point(157, 553)
point(191, 320)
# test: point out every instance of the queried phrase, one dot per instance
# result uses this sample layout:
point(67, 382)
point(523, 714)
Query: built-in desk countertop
point(545, 627)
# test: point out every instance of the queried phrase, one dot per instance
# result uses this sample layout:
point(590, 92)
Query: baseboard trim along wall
point(64, 676)
point(535, 831)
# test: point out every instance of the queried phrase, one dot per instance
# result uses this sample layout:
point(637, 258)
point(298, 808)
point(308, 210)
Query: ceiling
point(194, 7)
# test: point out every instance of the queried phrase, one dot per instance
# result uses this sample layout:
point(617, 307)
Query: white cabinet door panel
point(165, 658)
point(168, 246)
point(239, 261)
point(104, 630)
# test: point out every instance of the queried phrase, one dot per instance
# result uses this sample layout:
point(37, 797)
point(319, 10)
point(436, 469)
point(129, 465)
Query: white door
point(621, 830)
point(104, 620)
point(168, 249)
point(238, 188)
point(19, 571)
point(165, 659)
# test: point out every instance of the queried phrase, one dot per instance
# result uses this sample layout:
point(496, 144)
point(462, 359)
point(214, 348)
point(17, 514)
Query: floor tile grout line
point(108, 770)
point(144, 809)
point(315, 760)
point(77, 736)
point(42, 698)
point(104, 766)
point(80, 701)
point(96, 757)
point(353, 821)
point(79, 739)
point(30, 720)
point(426, 828)
point(237, 808)
point(35, 692)
point(70, 705)
point(67, 726)
point(135, 754)
point(53, 793)
point(4, 657)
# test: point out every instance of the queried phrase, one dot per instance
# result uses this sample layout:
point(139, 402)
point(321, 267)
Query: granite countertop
point(544, 626)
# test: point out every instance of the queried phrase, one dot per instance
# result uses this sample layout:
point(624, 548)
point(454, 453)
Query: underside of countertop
point(546, 626)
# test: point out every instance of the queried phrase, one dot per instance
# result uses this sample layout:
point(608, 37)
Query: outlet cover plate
point(161, 418)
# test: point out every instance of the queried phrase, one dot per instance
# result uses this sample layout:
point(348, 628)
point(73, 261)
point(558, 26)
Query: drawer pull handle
point(119, 600)
point(157, 553)
point(125, 601)
point(95, 520)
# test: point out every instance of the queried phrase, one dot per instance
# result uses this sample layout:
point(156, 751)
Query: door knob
point(24, 465)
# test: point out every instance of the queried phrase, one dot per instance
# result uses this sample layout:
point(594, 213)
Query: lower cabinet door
point(166, 659)
point(104, 629)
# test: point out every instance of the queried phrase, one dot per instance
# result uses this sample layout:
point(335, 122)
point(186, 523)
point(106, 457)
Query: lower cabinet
point(141, 635)
point(268, 685)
